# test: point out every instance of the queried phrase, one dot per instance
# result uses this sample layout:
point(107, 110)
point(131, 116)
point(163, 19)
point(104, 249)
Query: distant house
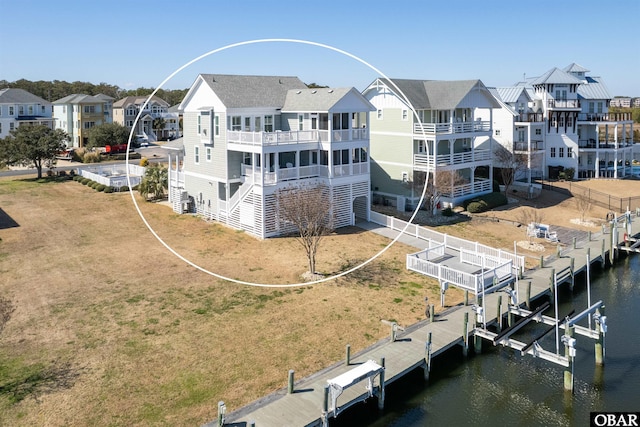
point(126, 110)
point(443, 139)
point(76, 114)
point(561, 120)
point(245, 137)
point(17, 106)
point(621, 102)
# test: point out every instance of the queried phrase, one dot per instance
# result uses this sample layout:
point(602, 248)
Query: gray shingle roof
point(79, 99)
point(318, 100)
point(138, 100)
point(438, 94)
point(237, 91)
point(20, 96)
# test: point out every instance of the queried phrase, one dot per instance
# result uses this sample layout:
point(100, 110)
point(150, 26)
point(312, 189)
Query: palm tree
point(154, 183)
point(158, 125)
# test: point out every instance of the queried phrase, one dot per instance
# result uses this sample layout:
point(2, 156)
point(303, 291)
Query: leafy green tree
point(108, 134)
point(33, 146)
point(154, 183)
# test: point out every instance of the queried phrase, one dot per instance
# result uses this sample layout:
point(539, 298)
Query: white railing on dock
point(452, 242)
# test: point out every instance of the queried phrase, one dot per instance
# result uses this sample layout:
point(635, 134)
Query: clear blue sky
point(139, 42)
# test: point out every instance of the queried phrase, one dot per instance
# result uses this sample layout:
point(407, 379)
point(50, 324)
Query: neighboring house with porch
point(561, 120)
point(17, 106)
point(246, 137)
point(443, 139)
point(155, 111)
point(76, 114)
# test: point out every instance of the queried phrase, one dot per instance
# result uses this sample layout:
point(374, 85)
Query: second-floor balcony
point(427, 161)
point(605, 144)
point(536, 145)
point(605, 117)
point(263, 176)
point(563, 103)
point(295, 137)
point(530, 117)
point(451, 128)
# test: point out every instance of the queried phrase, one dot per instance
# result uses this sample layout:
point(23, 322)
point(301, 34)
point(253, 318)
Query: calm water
point(500, 387)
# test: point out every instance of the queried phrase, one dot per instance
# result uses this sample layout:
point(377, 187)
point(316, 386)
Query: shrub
point(77, 178)
point(447, 211)
point(84, 181)
point(569, 173)
point(477, 207)
point(485, 203)
point(124, 188)
point(144, 162)
point(94, 184)
point(100, 187)
point(108, 189)
point(135, 188)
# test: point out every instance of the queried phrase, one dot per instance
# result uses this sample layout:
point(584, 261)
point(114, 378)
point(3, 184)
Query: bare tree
point(6, 309)
point(444, 181)
point(528, 216)
point(309, 210)
point(583, 204)
point(510, 163)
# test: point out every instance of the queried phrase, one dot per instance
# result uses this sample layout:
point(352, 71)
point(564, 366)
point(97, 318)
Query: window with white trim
point(208, 154)
point(196, 155)
point(216, 125)
point(268, 123)
point(405, 115)
point(379, 114)
point(89, 108)
point(538, 131)
point(236, 123)
point(553, 151)
point(561, 152)
point(570, 152)
point(199, 130)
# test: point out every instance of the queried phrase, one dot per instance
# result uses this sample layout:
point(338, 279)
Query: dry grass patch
point(143, 338)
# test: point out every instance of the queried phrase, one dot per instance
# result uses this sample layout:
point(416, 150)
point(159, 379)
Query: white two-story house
point(245, 137)
point(443, 139)
point(17, 106)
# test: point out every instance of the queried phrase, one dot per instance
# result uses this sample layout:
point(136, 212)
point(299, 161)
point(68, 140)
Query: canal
point(501, 387)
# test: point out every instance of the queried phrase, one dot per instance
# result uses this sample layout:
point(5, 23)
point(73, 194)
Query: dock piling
point(381, 390)
point(427, 357)
point(600, 319)
point(465, 335)
point(222, 410)
point(528, 295)
point(499, 313)
point(290, 384)
point(431, 312)
point(570, 353)
point(348, 355)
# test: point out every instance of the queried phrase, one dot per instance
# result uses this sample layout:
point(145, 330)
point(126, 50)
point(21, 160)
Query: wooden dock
point(304, 406)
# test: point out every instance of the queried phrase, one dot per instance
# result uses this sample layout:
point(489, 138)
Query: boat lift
point(568, 323)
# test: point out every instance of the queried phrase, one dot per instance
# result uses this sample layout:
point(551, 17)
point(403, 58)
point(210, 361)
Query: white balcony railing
point(423, 161)
point(302, 172)
point(449, 128)
point(295, 137)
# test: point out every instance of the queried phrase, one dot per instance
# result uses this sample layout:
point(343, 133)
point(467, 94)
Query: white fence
point(114, 175)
